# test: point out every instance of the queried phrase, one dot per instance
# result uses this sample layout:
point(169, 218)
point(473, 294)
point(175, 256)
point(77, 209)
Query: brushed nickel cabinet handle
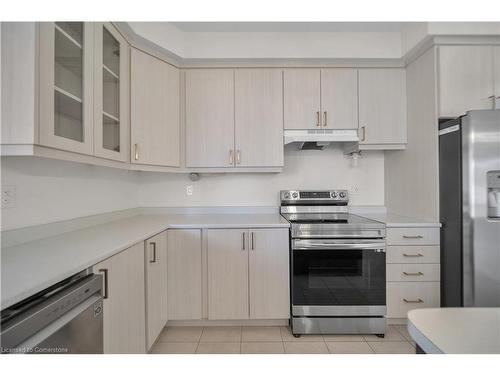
point(136, 152)
point(231, 160)
point(413, 237)
point(363, 133)
point(252, 241)
point(413, 300)
point(491, 97)
point(317, 119)
point(243, 241)
point(324, 119)
point(238, 157)
point(153, 248)
point(413, 273)
point(413, 255)
point(105, 276)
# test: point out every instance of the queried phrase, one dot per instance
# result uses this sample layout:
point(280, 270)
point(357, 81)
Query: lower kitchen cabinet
point(248, 274)
point(124, 320)
point(184, 274)
point(155, 260)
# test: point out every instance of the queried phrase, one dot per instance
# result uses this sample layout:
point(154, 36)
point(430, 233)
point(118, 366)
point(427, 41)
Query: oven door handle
point(325, 245)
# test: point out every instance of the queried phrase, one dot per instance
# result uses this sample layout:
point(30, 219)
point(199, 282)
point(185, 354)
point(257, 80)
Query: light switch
point(189, 190)
point(9, 196)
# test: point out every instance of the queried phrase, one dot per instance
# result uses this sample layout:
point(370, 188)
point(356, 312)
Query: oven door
point(334, 277)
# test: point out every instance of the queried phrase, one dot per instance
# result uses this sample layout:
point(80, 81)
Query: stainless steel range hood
point(317, 139)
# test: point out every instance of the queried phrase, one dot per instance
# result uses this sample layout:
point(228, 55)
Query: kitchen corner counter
point(399, 221)
point(464, 330)
point(30, 267)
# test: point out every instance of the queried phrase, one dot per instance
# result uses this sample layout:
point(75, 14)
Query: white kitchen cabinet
point(124, 320)
point(466, 79)
point(227, 274)
point(155, 260)
point(302, 100)
point(210, 118)
point(405, 296)
point(496, 69)
point(269, 274)
point(184, 274)
point(154, 110)
point(382, 107)
point(258, 117)
point(111, 93)
point(66, 109)
point(339, 98)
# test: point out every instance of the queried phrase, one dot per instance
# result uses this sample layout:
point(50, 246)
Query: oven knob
point(286, 196)
point(295, 195)
point(342, 194)
point(334, 194)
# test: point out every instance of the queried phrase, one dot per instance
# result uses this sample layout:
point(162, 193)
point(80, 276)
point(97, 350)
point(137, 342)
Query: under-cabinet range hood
point(317, 139)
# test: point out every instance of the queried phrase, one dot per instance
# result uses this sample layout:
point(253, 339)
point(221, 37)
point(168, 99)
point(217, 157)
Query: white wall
point(52, 190)
point(325, 169)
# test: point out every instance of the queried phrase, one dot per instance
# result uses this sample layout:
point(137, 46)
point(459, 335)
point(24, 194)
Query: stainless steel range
point(337, 265)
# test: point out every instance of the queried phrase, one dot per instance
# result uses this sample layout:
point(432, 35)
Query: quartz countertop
point(466, 330)
point(398, 221)
point(30, 267)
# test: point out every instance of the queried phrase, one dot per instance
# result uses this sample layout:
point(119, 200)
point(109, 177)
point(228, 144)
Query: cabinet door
point(465, 79)
point(269, 274)
point(382, 106)
point(154, 106)
point(259, 117)
point(156, 286)
point(227, 274)
point(184, 274)
point(210, 118)
point(124, 320)
point(301, 91)
point(339, 98)
point(111, 93)
point(496, 62)
point(66, 86)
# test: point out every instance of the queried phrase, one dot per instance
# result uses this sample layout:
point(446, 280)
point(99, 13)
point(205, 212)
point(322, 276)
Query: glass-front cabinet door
point(111, 85)
point(66, 87)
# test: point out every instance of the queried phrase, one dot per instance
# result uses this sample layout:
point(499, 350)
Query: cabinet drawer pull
point(252, 241)
point(413, 255)
point(413, 237)
point(413, 300)
point(491, 97)
point(105, 276)
point(317, 119)
point(363, 133)
point(413, 273)
point(153, 248)
point(324, 119)
point(243, 241)
point(136, 151)
point(238, 157)
point(231, 161)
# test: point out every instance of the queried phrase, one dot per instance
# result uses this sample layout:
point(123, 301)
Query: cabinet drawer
point(413, 254)
point(413, 272)
point(405, 296)
point(412, 236)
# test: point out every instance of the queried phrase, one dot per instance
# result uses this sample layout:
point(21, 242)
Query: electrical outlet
point(189, 190)
point(9, 196)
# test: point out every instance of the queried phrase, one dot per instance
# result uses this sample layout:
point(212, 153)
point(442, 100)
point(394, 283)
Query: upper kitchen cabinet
point(382, 108)
point(210, 118)
point(466, 79)
point(66, 68)
point(111, 93)
point(154, 109)
point(258, 117)
point(321, 98)
point(302, 103)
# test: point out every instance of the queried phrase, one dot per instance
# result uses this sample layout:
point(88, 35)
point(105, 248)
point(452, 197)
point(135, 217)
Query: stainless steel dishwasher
point(64, 318)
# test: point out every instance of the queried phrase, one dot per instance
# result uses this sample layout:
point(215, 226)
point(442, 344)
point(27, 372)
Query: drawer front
point(405, 296)
point(413, 272)
point(412, 254)
point(412, 236)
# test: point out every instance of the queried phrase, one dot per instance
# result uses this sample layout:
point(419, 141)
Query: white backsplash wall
point(52, 190)
point(326, 169)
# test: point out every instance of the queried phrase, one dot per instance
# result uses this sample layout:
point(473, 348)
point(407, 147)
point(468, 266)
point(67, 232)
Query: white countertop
point(456, 330)
point(398, 221)
point(30, 267)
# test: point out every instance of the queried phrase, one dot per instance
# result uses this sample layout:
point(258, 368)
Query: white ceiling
point(288, 26)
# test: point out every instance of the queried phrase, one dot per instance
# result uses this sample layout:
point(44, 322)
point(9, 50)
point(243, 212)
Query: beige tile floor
point(277, 340)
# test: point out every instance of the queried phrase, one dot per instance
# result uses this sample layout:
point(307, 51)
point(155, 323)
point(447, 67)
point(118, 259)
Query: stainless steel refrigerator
point(469, 179)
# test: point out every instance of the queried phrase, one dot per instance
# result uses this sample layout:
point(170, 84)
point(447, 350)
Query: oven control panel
point(314, 195)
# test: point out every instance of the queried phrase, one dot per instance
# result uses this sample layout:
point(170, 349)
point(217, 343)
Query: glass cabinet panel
point(68, 80)
point(111, 91)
